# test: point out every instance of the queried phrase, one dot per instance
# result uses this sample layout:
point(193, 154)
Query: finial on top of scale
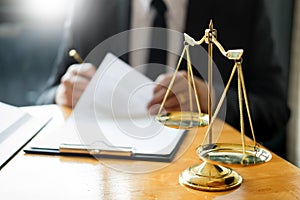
point(211, 26)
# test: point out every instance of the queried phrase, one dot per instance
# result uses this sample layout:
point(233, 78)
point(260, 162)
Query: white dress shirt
point(142, 16)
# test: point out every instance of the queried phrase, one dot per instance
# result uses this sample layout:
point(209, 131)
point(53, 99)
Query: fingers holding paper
point(73, 83)
point(178, 99)
point(176, 95)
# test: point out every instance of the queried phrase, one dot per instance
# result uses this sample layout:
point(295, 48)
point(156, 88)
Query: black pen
point(73, 53)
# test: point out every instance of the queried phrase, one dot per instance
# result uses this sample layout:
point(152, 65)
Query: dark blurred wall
point(28, 47)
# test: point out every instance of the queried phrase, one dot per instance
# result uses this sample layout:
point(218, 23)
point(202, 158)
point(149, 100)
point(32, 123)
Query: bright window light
point(46, 10)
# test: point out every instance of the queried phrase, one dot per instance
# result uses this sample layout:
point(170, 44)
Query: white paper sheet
point(113, 109)
point(9, 116)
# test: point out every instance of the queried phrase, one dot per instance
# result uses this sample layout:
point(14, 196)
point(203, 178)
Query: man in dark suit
point(240, 24)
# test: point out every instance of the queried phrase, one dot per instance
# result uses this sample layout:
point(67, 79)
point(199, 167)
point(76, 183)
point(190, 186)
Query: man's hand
point(73, 83)
point(178, 98)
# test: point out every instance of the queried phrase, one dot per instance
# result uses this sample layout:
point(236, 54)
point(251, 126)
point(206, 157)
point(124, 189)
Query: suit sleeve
point(265, 84)
point(61, 64)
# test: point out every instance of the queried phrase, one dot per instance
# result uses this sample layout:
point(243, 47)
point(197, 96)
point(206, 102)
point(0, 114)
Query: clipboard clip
point(95, 151)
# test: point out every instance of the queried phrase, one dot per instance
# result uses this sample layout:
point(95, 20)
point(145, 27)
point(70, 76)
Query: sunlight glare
point(46, 10)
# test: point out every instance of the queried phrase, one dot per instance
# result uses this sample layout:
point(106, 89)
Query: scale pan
point(232, 154)
point(183, 120)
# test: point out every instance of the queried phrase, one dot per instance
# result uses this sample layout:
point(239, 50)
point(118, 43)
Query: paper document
point(11, 118)
point(112, 115)
point(17, 127)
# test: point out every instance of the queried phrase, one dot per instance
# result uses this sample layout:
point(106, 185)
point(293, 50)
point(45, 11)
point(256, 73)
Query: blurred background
point(31, 30)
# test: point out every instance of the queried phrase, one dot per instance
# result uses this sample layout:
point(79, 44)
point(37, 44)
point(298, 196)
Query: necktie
point(158, 54)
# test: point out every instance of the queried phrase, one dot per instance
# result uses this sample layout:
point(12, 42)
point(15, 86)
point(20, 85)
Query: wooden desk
point(59, 177)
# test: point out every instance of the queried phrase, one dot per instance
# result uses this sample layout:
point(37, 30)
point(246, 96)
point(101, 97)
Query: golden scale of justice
point(210, 175)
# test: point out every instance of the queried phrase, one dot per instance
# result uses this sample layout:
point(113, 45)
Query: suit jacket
point(240, 24)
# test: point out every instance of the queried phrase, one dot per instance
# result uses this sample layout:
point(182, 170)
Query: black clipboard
point(126, 153)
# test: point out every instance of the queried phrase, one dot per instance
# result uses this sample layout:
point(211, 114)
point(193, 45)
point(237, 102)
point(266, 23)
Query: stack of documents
point(17, 127)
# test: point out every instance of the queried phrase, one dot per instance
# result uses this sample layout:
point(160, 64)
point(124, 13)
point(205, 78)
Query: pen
point(73, 53)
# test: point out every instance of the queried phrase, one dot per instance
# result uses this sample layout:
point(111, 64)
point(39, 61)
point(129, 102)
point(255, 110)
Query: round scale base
point(209, 177)
point(183, 120)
